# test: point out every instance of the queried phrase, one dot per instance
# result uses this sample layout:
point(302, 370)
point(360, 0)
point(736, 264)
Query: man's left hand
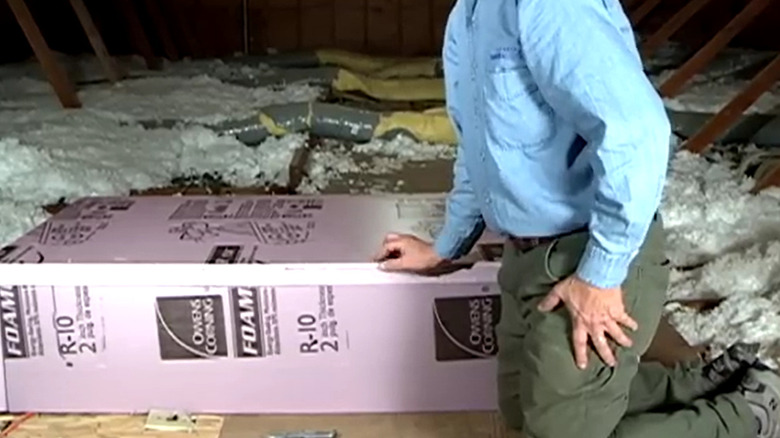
point(595, 313)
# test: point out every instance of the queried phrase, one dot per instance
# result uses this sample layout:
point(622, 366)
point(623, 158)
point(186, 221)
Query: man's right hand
point(404, 252)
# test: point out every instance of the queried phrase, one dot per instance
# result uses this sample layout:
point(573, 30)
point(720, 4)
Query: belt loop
point(547, 254)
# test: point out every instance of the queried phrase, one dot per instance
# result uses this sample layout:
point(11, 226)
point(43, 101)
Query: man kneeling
point(564, 148)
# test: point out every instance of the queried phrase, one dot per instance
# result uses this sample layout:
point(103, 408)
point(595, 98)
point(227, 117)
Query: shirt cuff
point(448, 244)
point(452, 243)
point(602, 269)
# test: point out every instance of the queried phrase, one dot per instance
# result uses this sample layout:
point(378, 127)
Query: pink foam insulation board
point(3, 392)
point(243, 305)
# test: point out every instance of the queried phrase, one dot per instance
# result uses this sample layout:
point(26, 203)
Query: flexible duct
point(341, 122)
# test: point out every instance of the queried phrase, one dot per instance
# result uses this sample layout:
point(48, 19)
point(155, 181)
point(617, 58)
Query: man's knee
point(542, 392)
point(575, 403)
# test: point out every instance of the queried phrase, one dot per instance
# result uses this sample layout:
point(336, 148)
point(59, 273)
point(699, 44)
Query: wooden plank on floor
point(113, 73)
point(678, 20)
point(433, 425)
point(163, 32)
point(125, 426)
point(721, 122)
point(642, 11)
point(138, 34)
point(674, 85)
point(58, 77)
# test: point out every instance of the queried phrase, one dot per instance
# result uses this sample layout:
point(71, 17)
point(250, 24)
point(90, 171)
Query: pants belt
point(525, 244)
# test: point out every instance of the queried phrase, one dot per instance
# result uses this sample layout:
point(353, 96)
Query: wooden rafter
point(180, 12)
point(628, 4)
point(662, 35)
point(642, 11)
point(203, 27)
point(113, 73)
point(771, 179)
point(58, 77)
point(674, 85)
point(728, 116)
point(138, 35)
point(156, 14)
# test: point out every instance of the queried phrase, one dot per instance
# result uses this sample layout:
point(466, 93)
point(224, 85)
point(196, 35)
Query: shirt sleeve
point(463, 222)
point(590, 73)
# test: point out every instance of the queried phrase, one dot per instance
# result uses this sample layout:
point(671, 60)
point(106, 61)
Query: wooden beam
point(155, 13)
point(113, 73)
point(674, 85)
point(662, 35)
point(181, 13)
point(58, 77)
point(628, 4)
point(771, 179)
point(203, 28)
point(138, 35)
point(639, 14)
point(727, 117)
point(245, 23)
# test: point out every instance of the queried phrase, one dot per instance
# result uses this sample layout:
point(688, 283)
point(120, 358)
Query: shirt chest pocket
point(517, 113)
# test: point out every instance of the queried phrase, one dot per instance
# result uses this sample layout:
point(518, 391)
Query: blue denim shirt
point(558, 127)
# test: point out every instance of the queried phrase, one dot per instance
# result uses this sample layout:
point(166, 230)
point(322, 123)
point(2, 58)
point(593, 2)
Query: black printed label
point(464, 327)
point(191, 327)
point(12, 323)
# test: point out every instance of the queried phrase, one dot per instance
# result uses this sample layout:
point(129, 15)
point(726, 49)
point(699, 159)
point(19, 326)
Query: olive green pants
point(543, 393)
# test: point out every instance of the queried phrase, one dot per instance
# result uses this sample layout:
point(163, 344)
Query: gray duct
point(320, 119)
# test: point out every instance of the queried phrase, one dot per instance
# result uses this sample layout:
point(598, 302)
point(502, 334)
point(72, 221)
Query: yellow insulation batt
point(407, 89)
point(429, 126)
point(273, 128)
point(432, 126)
point(108, 426)
point(379, 67)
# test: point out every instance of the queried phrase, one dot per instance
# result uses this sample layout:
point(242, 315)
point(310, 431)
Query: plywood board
point(446, 425)
point(108, 426)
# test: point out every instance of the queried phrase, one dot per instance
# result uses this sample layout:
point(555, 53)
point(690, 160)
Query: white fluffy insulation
point(732, 241)
point(49, 154)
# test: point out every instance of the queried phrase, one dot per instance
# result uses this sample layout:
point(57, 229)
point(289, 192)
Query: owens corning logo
point(247, 321)
point(464, 327)
point(12, 324)
point(482, 336)
point(191, 327)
